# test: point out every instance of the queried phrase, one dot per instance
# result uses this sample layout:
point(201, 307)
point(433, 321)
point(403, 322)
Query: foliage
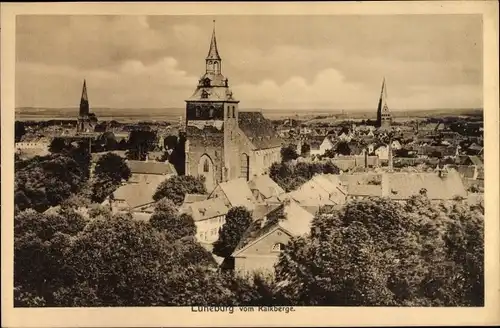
point(110, 171)
point(47, 181)
point(238, 220)
point(379, 252)
point(305, 149)
point(178, 155)
point(289, 153)
point(166, 218)
point(176, 187)
point(19, 130)
point(140, 143)
point(343, 148)
point(290, 175)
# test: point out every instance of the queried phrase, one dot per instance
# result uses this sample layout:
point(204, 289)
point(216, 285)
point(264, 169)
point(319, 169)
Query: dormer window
point(206, 82)
point(278, 247)
point(204, 94)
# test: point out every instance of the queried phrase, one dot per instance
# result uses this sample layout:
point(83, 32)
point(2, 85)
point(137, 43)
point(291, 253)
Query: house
point(235, 192)
point(382, 152)
point(326, 145)
point(396, 145)
point(440, 185)
point(192, 198)
point(135, 197)
point(209, 216)
point(321, 190)
point(146, 171)
point(261, 245)
point(264, 189)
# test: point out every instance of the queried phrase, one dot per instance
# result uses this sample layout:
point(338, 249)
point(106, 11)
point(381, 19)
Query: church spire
point(84, 101)
point(213, 53)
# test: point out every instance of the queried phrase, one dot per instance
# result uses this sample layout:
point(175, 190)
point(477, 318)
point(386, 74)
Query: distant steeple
point(383, 114)
point(213, 60)
point(84, 101)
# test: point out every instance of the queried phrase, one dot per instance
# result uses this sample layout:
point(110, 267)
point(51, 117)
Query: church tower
point(84, 119)
point(211, 124)
point(384, 118)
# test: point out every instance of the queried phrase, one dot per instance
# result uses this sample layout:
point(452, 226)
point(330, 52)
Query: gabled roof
point(266, 186)
point(259, 130)
point(160, 168)
point(476, 160)
point(237, 193)
point(206, 209)
point(137, 194)
point(296, 222)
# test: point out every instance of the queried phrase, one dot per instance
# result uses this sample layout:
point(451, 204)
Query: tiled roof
point(365, 190)
point(160, 168)
point(259, 130)
point(212, 94)
point(206, 209)
point(266, 186)
point(405, 185)
point(238, 193)
point(137, 194)
point(296, 221)
point(191, 198)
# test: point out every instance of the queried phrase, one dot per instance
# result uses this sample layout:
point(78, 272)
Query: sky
point(272, 62)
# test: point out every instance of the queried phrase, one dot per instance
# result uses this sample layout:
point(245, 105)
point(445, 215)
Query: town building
point(222, 142)
point(261, 245)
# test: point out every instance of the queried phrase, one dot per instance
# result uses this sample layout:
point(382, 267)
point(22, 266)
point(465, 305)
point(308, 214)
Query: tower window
point(234, 115)
point(204, 94)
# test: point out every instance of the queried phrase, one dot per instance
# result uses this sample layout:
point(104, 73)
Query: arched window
point(234, 115)
point(211, 112)
point(245, 167)
point(278, 247)
point(206, 166)
point(216, 65)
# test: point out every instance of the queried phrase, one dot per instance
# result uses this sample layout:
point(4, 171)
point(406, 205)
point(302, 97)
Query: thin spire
point(84, 91)
point(213, 53)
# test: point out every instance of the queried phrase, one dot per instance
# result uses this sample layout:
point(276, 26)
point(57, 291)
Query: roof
point(213, 53)
point(137, 194)
point(191, 198)
point(405, 185)
point(266, 186)
point(206, 209)
point(297, 222)
point(261, 210)
point(259, 130)
point(160, 168)
point(213, 93)
point(476, 160)
point(365, 190)
point(238, 193)
point(317, 191)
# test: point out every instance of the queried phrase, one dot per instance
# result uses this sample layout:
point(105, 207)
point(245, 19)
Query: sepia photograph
point(241, 162)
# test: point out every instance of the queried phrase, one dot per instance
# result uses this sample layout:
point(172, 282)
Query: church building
point(86, 120)
point(384, 118)
point(223, 143)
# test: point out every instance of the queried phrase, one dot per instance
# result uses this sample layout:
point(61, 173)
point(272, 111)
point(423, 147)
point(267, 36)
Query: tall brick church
point(223, 143)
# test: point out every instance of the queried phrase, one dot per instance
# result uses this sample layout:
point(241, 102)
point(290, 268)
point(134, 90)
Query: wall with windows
point(208, 230)
point(263, 254)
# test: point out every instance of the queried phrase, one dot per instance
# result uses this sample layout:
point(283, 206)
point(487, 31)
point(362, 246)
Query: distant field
point(172, 115)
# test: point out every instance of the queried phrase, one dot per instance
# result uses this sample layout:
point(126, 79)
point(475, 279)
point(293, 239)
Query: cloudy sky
point(272, 62)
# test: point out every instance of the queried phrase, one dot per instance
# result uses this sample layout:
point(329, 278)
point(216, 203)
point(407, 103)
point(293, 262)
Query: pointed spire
point(84, 91)
point(213, 53)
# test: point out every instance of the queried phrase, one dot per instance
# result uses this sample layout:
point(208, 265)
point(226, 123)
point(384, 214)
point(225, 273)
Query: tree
point(110, 171)
point(166, 218)
point(58, 145)
point(20, 130)
point(140, 143)
point(343, 148)
point(305, 149)
point(176, 187)
point(238, 220)
point(178, 155)
point(379, 252)
point(289, 153)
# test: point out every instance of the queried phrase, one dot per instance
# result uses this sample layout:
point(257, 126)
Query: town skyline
point(156, 61)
